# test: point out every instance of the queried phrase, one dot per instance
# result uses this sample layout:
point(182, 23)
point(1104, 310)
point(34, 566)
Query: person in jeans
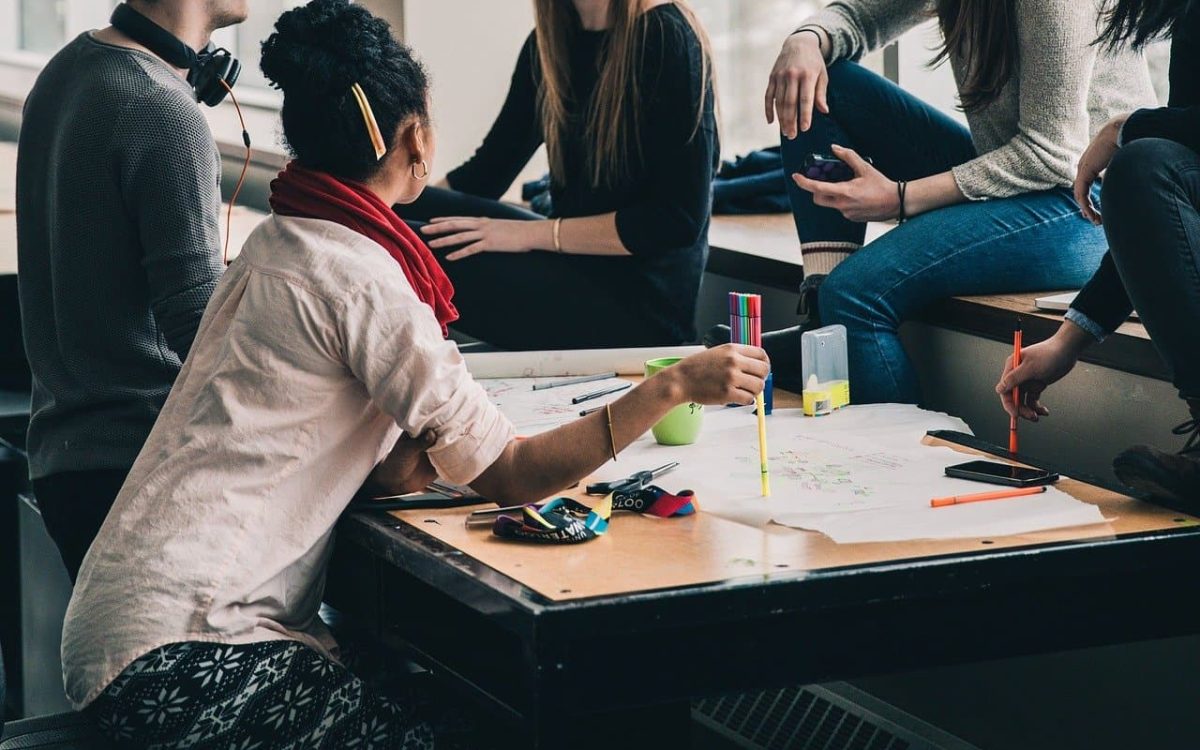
point(983, 209)
point(1151, 216)
point(119, 249)
point(620, 92)
point(321, 363)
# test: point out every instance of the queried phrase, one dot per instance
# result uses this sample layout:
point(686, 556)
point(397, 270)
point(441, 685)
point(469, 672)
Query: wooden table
point(604, 644)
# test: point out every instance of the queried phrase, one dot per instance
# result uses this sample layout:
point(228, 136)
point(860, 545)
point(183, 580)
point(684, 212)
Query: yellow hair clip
point(372, 124)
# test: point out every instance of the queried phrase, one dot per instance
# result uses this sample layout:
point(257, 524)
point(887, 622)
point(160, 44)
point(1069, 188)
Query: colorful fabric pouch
point(567, 521)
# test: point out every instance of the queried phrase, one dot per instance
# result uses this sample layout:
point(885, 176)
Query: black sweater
point(1104, 299)
point(663, 206)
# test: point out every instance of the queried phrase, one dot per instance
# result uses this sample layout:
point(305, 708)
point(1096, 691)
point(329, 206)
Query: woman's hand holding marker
point(728, 374)
point(1042, 365)
point(870, 196)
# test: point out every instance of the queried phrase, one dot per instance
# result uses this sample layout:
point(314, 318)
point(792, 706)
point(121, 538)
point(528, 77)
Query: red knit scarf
point(309, 194)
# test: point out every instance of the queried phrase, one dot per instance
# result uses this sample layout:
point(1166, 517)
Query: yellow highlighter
point(762, 445)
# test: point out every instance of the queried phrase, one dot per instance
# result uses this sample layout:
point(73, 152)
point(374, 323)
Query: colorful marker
point(1016, 393)
point(945, 502)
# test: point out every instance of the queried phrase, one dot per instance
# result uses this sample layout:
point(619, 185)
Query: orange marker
point(1016, 394)
point(944, 502)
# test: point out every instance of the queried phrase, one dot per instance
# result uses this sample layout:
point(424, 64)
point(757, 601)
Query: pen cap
point(823, 353)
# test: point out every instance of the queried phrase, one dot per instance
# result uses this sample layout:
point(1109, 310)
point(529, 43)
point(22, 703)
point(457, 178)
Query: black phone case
point(824, 168)
point(1050, 478)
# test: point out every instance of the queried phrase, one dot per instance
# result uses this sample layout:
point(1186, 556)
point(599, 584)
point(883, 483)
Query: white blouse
point(313, 355)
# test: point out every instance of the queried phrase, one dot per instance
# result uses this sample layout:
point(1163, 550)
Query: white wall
point(935, 86)
point(470, 48)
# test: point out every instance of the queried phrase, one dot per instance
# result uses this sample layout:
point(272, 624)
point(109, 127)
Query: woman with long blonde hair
point(620, 92)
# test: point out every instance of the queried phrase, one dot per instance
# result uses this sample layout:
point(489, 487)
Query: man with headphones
point(119, 248)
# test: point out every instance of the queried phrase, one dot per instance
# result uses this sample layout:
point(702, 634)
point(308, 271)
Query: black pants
point(1151, 209)
point(534, 301)
point(74, 505)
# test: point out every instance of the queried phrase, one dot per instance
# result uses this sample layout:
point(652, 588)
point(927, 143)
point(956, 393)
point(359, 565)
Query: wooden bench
point(757, 249)
point(1129, 349)
point(763, 250)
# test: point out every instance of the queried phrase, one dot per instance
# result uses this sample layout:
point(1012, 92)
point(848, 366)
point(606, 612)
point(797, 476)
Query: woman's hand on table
point(406, 469)
point(1095, 160)
point(474, 235)
point(728, 374)
point(869, 196)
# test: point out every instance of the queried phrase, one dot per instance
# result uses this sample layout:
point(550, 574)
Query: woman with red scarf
point(321, 364)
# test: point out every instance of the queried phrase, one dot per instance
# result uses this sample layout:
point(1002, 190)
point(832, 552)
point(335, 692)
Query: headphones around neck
point(210, 71)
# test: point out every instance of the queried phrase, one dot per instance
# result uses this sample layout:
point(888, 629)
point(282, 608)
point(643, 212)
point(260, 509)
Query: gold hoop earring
point(424, 170)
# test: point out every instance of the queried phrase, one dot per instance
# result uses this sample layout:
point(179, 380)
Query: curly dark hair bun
point(318, 51)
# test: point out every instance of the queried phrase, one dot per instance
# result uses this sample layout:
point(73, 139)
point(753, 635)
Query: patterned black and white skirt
point(261, 696)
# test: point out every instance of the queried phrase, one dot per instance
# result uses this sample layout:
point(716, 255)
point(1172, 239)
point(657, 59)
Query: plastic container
point(825, 366)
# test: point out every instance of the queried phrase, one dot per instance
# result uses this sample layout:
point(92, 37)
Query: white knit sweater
point(1064, 89)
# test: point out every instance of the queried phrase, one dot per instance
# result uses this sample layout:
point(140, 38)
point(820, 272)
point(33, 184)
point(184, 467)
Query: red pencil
point(945, 502)
point(1016, 394)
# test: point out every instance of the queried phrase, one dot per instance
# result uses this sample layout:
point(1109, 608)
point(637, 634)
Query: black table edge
point(447, 568)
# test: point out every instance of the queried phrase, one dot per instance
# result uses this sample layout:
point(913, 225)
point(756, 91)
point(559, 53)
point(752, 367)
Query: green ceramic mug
point(681, 425)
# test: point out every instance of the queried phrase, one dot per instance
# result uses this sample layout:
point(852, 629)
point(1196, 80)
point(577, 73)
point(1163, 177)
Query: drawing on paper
point(805, 471)
point(532, 412)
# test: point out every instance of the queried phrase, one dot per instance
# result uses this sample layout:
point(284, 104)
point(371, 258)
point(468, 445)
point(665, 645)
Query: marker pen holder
point(745, 325)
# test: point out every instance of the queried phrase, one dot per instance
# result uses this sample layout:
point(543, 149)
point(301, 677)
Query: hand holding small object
point(727, 374)
point(1042, 365)
point(869, 196)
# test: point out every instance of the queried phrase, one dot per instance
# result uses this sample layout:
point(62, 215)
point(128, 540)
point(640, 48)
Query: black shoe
point(1168, 476)
point(718, 335)
point(809, 308)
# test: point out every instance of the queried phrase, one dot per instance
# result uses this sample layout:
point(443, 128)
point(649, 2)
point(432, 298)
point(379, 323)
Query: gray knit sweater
point(1064, 89)
point(118, 249)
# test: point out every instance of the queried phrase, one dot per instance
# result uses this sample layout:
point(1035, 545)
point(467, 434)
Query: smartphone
point(825, 168)
point(998, 473)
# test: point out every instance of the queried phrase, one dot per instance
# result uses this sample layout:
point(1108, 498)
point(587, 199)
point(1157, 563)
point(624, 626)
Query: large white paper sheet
point(574, 362)
point(533, 412)
point(859, 475)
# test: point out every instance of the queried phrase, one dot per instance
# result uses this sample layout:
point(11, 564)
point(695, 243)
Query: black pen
point(574, 381)
point(601, 394)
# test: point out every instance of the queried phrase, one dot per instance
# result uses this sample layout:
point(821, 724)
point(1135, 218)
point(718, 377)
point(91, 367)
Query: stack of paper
point(533, 412)
point(859, 475)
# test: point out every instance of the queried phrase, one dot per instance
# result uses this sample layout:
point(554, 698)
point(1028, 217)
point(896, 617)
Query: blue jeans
point(1030, 242)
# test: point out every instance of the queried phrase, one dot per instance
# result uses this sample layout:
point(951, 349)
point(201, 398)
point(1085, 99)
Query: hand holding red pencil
point(1018, 334)
point(1041, 366)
